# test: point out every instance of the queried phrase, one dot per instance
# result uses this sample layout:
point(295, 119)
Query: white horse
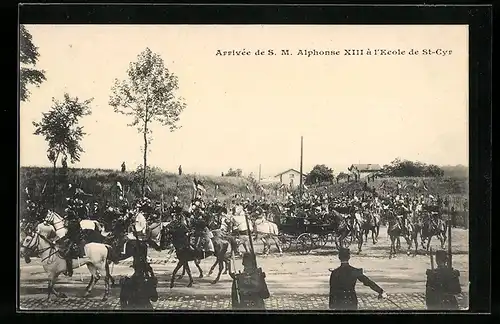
point(54, 264)
point(98, 253)
point(267, 230)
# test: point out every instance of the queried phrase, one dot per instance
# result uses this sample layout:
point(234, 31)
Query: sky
point(246, 111)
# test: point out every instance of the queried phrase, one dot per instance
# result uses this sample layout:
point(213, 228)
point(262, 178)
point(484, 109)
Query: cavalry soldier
point(175, 207)
point(442, 285)
point(249, 287)
point(139, 290)
point(343, 281)
point(290, 206)
point(203, 236)
point(72, 243)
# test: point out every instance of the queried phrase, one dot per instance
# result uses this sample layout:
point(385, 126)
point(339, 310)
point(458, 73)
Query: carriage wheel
point(286, 243)
point(304, 243)
point(323, 240)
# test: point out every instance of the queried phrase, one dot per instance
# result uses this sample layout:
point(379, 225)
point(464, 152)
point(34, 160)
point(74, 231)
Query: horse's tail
point(112, 255)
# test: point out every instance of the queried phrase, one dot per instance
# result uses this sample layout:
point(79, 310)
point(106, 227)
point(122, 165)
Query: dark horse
point(395, 230)
point(368, 224)
point(178, 234)
point(123, 247)
point(342, 228)
point(430, 229)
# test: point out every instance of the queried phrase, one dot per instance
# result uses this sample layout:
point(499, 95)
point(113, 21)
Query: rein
point(37, 243)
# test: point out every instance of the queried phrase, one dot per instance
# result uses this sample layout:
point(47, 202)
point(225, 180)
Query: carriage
point(303, 233)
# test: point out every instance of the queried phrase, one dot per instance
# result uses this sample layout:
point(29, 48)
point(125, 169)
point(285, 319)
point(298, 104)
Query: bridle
point(35, 242)
point(50, 220)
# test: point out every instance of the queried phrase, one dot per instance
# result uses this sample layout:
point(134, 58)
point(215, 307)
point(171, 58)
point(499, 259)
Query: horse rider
point(442, 285)
point(202, 235)
point(290, 206)
point(343, 281)
point(139, 290)
point(90, 231)
point(72, 245)
point(175, 207)
point(139, 228)
point(249, 287)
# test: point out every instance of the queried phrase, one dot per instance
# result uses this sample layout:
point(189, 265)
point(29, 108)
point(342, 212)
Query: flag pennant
point(248, 189)
point(201, 187)
point(149, 188)
point(119, 185)
point(216, 187)
point(44, 186)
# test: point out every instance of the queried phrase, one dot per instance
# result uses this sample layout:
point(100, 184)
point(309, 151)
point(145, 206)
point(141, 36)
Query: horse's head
point(28, 246)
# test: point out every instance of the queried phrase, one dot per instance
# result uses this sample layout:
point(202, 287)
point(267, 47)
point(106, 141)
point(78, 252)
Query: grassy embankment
point(101, 184)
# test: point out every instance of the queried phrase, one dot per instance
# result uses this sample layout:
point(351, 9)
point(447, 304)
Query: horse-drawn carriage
point(303, 233)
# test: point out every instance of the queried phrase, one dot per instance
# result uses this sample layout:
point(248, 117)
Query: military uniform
point(138, 291)
point(249, 287)
point(342, 284)
point(442, 286)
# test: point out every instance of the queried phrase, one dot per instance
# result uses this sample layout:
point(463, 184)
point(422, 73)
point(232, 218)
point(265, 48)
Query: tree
point(234, 173)
point(28, 53)
point(319, 173)
point(61, 131)
point(406, 168)
point(148, 95)
point(341, 176)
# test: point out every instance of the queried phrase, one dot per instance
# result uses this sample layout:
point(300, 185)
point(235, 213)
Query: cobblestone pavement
point(414, 301)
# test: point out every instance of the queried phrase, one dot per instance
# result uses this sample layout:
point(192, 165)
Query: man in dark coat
point(249, 287)
point(138, 291)
point(343, 281)
point(442, 285)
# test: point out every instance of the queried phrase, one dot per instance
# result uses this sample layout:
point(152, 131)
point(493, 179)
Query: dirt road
point(288, 275)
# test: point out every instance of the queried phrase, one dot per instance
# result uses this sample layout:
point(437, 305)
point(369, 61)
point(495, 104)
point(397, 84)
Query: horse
point(116, 240)
point(178, 234)
point(415, 227)
point(370, 223)
point(395, 230)
point(430, 229)
point(367, 224)
point(267, 230)
point(96, 259)
point(342, 227)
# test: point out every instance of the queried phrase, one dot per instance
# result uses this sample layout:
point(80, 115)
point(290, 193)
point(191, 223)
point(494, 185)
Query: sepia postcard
point(243, 167)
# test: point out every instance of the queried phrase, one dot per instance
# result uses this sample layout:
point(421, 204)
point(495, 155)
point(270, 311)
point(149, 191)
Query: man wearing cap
point(343, 281)
point(442, 285)
point(249, 287)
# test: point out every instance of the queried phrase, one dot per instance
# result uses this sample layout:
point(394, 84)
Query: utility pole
point(301, 156)
point(260, 170)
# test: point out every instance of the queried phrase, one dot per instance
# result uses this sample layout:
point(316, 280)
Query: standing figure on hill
point(442, 285)
point(123, 167)
point(343, 281)
point(64, 163)
point(180, 170)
